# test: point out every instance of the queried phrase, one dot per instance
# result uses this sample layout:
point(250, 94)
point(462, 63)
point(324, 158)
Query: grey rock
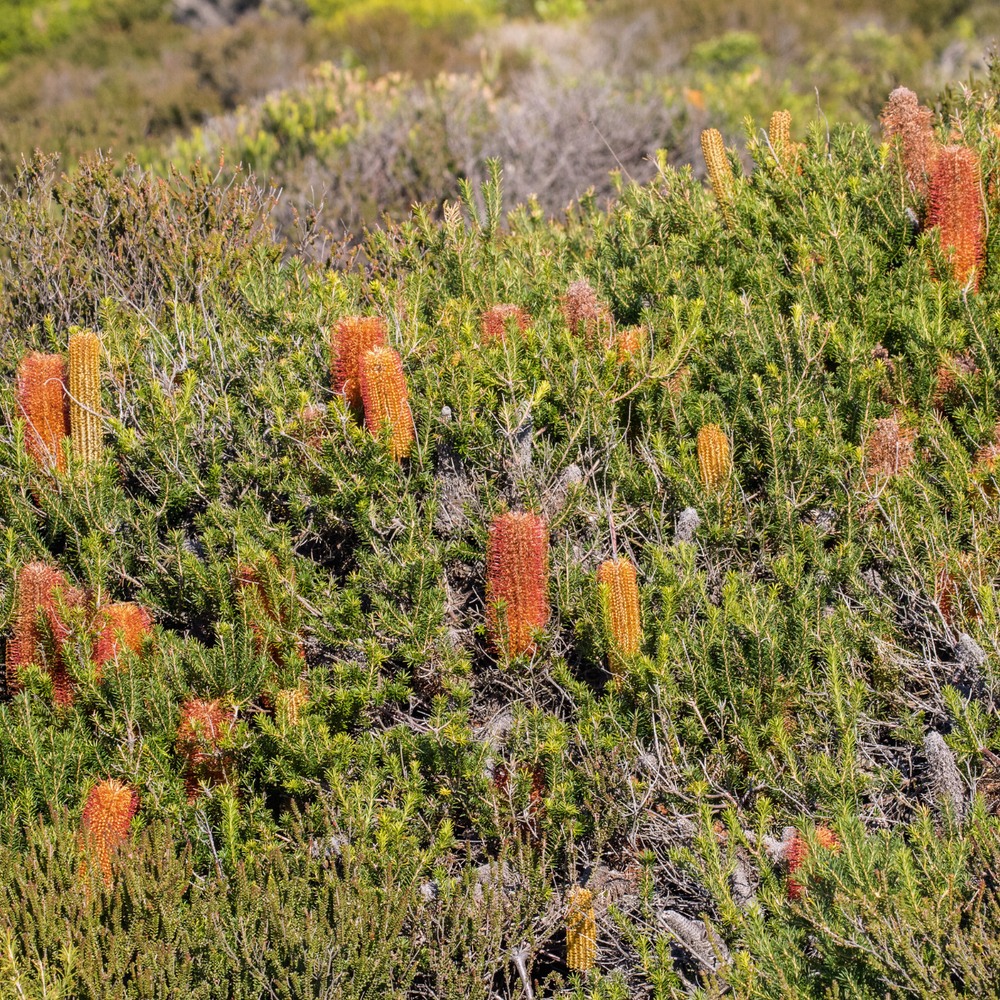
point(945, 786)
point(687, 524)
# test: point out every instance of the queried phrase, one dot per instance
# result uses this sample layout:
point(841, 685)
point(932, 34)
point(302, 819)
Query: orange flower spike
point(586, 316)
point(798, 851)
point(203, 727)
point(621, 611)
point(130, 622)
point(107, 817)
point(35, 584)
point(43, 403)
point(352, 338)
point(383, 387)
point(957, 209)
point(493, 322)
point(517, 573)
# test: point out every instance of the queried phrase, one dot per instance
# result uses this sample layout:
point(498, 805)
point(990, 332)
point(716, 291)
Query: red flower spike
point(352, 338)
point(383, 387)
point(107, 817)
point(130, 622)
point(493, 322)
point(517, 575)
point(798, 851)
point(42, 401)
point(203, 727)
point(957, 209)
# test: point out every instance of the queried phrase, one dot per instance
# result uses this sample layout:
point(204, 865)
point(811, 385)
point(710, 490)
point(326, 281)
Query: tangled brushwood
point(594, 607)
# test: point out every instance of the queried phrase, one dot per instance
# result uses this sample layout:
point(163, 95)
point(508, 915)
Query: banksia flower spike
point(107, 817)
point(888, 449)
point(39, 590)
point(628, 342)
point(620, 607)
point(517, 574)
point(352, 338)
point(290, 703)
point(586, 316)
point(43, 403)
point(383, 387)
point(714, 459)
point(123, 626)
point(779, 134)
point(581, 930)
point(493, 322)
point(957, 209)
point(85, 395)
point(203, 727)
point(720, 172)
point(904, 116)
point(798, 851)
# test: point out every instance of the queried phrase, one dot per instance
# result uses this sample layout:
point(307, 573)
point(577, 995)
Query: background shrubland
point(788, 790)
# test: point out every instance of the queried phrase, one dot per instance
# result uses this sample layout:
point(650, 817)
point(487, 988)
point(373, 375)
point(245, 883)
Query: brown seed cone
point(43, 403)
point(946, 394)
point(904, 116)
point(383, 388)
point(107, 817)
point(352, 338)
point(620, 607)
point(517, 573)
point(586, 316)
point(581, 930)
point(714, 459)
point(889, 449)
point(719, 172)
point(85, 395)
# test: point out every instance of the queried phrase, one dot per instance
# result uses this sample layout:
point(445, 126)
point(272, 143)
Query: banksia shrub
point(798, 851)
point(620, 608)
point(957, 210)
point(39, 591)
point(107, 817)
point(204, 726)
point(43, 403)
point(719, 172)
point(85, 395)
point(888, 449)
point(352, 338)
point(493, 322)
point(517, 574)
point(122, 625)
point(714, 459)
point(904, 116)
point(383, 388)
point(586, 316)
point(581, 930)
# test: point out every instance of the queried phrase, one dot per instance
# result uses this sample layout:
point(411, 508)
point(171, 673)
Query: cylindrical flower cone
point(620, 607)
point(714, 459)
point(383, 388)
point(581, 930)
point(957, 209)
point(107, 817)
point(122, 626)
point(43, 403)
point(494, 320)
point(203, 727)
point(517, 568)
point(353, 337)
point(85, 395)
point(719, 172)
